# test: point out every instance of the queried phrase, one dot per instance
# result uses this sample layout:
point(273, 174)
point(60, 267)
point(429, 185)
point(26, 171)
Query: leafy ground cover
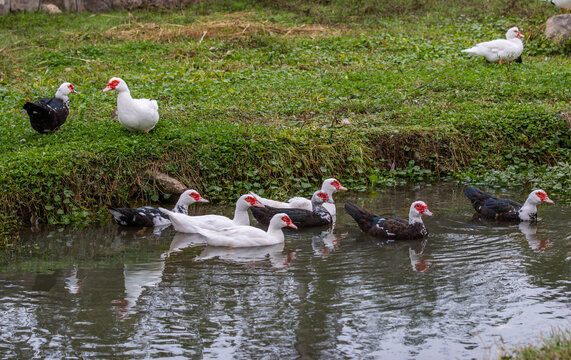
point(275, 96)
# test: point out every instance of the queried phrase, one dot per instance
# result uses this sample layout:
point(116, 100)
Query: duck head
point(65, 89)
point(513, 33)
point(538, 196)
point(281, 220)
point(116, 83)
point(245, 201)
point(319, 197)
point(417, 209)
point(191, 196)
point(332, 185)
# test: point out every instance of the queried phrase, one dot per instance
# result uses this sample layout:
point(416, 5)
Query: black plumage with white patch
point(387, 227)
point(146, 216)
point(491, 207)
point(48, 114)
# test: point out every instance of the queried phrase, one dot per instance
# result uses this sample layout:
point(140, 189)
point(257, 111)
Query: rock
point(167, 184)
point(558, 28)
point(50, 8)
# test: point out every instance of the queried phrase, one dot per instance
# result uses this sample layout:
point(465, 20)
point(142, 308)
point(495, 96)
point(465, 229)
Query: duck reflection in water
point(181, 241)
point(326, 242)
point(529, 230)
point(417, 260)
point(251, 256)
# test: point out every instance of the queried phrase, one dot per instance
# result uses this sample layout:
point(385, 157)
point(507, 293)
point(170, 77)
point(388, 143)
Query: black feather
point(48, 114)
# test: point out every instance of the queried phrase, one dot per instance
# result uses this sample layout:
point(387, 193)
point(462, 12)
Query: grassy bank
point(273, 97)
point(555, 346)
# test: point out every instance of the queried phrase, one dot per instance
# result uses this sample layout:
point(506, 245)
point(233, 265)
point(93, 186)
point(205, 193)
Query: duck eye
point(286, 219)
point(250, 200)
point(195, 196)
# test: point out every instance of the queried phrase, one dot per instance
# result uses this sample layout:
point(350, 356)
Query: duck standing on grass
point(562, 4)
point(133, 114)
point(48, 114)
point(500, 50)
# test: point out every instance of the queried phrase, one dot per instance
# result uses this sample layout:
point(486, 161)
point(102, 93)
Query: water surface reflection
point(326, 293)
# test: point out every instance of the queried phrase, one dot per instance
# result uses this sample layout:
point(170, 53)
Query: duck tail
point(363, 217)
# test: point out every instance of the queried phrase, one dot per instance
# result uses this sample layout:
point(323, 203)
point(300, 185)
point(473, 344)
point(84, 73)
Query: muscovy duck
point(148, 216)
point(500, 50)
point(390, 227)
point(330, 186)
point(503, 209)
point(189, 224)
point(48, 114)
point(562, 4)
point(318, 216)
point(133, 114)
point(247, 236)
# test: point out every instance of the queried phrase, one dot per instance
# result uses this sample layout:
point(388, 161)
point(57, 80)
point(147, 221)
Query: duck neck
point(180, 207)
point(276, 233)
point(61, 96)
point(414, 218)
point(241, 216)
point(528, 211)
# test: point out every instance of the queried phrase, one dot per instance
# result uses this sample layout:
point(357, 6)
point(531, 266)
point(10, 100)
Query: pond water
point(469, 288)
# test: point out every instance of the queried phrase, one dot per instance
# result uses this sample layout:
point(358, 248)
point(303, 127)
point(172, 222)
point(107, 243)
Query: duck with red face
point(48, 114)
point(491, 207)
point(391, 227)
point(133, 114)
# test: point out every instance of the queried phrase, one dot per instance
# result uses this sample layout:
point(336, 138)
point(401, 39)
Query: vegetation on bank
point(275, 96)
point(553, 347)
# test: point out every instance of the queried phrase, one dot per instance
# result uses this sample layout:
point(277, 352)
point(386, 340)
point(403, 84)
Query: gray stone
point(50, 8)
point(165, 183)
point(558, 28)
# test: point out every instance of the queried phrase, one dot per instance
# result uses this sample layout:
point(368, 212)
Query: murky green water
point(109, 292)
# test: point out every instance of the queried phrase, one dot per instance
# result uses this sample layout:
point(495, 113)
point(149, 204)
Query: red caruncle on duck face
point(323, 196)
point(195, 195)
point(71, 88)
point(113, 84)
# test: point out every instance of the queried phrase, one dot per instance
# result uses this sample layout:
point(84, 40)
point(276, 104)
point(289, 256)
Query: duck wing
point(300, 217)
point(47, 114)
point(146, 216)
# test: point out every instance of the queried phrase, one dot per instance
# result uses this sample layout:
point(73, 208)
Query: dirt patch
point(232, 26)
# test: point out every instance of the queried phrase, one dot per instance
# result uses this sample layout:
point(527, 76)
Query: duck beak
point(202, 200)
point(427, 212)
point(548, 200)
point(292, 225)
point(258, 204)
point(107, 89)
point(341, 187)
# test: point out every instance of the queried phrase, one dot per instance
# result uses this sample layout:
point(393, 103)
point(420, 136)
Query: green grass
point(275, 96)
point(556, 346)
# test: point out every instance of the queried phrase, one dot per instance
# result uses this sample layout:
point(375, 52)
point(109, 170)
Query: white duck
point(500, 50)
point(329, 186)
point(247, 236)
point(562, 4)
point(189, 224)
point(133, 114)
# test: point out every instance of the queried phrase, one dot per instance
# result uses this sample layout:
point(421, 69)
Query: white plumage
point(133, 114)
point(329, 186)
point(500, 50)
point(247, 236)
